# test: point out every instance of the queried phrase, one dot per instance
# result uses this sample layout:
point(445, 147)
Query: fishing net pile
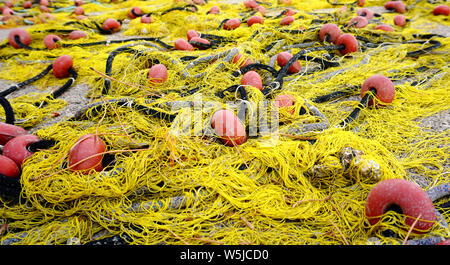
point(302, 179)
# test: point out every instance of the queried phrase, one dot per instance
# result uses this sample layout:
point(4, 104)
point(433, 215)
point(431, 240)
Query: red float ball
point(24, 37)
point(250, 4)
point(255, 19)
point(27, 4)
point(51, 40)
point(232, 24)
point(8, 167)
point(147, 18)
point(365, 12)
point(77, 34)
point(350, 43)
point(331, 30)
point(283, 58)
point(134, 11)
point(111, 25)
point(17, 148)
point(87, 153)
point(228, 127)
point(157, 74)
point(62, 65)
point(384, 87)
point(400, 20)
point(287, 20)
point(285, 101)
point(79, 10)
point(9, 131)
point(384, 27)
point(181, 44)
point(195, 40)
point(214, 10)
point(398, 6)
point(252, 78)
point(408, 196)
point(192, 33)
point(78, 2)
point(358, 22)
point(246, 61)
point(441, 10)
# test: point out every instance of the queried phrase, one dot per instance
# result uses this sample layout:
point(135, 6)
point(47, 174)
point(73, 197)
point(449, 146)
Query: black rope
point(222, 23)
point(10, 188)
point(67, 85)
point(434, 45)
point(355, 113)
point(157, 40)
point(26, 82)
point(253, 66)
point(9, 112)
point(41, 145)
point(335, 95)
point(184, 8)
point(97, 108)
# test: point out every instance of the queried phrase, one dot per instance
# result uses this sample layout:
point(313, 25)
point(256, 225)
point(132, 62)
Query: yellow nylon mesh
point(178, 189)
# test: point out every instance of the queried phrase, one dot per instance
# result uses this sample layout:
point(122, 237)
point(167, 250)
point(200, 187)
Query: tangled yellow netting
point(173, 188)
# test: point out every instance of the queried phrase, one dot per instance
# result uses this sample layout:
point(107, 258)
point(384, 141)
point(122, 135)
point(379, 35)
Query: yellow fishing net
point(172, 184)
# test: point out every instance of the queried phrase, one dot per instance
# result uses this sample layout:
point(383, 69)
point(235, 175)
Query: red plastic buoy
point(408, 196)
point(77, 34)
point(8, 167)
point(232, 24)
point(365, 12)
point(134, 11)
point(283, 58)
point(51, 40)
point(195, 40)
point(361, 2)
point(285, 101)
point(79, 10)
point(24, 37)
point(43, 2)
point(398, 6)
point(192, 33)
point(157, 74)
point(62, 65)
point(147, 18)
point(287, 20)
point(246, 61)
point(358, 22)
point(214, 10)
point(250, 4)
point(255, 19)
point(441, 10)
point(289, 12)
point(27, 4)
point(400, 20)
point(252, 78)
point(384, 27)
point(331, 30)
point(88, 148)
point(17, 148)
point(111, 25)
point(261, 10)
point(228, 127)
point(9, 131)
point(78, 2)
point(350, 43)
point(183, 45)
point(384, 87)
